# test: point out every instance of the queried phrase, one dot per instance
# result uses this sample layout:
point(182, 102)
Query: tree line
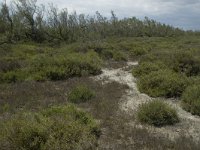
point(26, 20)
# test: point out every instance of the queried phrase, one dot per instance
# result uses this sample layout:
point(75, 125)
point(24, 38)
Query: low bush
point(57, 68)
point(164, 83)
point(61, 127)
point(9, 65)
point(55, 73)
point(194, 80)
point(119, 56)
point(81, 93)
point(106, 54)
point(13, 76)
point(134, 48)
point(4, 107)
point(43, 67)
point(138, 51)
point(191, 99)
point(113, 54)
point(157, 113)
point(145, 68)
point(180, 61)
point(186, 62)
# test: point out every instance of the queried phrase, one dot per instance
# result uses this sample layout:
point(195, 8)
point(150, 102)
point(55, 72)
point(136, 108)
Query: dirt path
point(189, 125)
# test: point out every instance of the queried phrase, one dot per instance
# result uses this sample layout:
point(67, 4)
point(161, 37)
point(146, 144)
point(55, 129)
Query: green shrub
point(113, 54)
point(107, 54)
point(186, 62)
point(13, 76)
point(157, 113)
point(88, 64)
point(119, 56)
point(194, 80)
point(9, 65)
point(61, 127)
point(38, 76)
point(163, 83)
point(73, 65)
point(149, 58)
point(43, 67)
point(81, 93)
point(181, 61)
point(4, 108)
point(145, 68)
point(191, 99)
point(138, 51)
point(55, 73)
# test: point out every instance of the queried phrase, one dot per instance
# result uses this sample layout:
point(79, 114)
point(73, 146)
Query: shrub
point(4, 108)
point(43, 67)
point(145, 68)
point(38, 76)
point(107, 54)
point(186, 62)
point(79, 65)
point(163, 83)
point(55, 73)
point(194, 80)
point(60, 127)
point(75, 64)
point(80, 94)
point(119, 56)
point(191, 99)
point(9, 65)
point(13, 76)
point(138, 51)
point(181, 61)
point(113, 54)
point(157, 113)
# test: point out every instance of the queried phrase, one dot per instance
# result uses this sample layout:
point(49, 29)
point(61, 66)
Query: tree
point(29, 10)
point(25, 21)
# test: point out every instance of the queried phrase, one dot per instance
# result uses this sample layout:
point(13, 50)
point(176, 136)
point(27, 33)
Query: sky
point(184, 14)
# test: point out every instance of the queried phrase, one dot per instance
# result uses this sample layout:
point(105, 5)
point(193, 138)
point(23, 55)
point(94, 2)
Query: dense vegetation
point(58, 127)
point(168, 70)
point(191, 99)
point(172, 71)
point(45, 65)
point(164, 83)
point(157, 113)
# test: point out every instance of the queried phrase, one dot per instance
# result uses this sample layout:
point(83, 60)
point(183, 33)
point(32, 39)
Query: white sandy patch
point(189, 125)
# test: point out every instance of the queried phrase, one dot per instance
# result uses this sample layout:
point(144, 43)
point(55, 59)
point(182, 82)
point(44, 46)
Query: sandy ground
point(189, 124)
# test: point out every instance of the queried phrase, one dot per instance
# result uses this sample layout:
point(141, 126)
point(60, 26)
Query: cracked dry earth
point(188, 126)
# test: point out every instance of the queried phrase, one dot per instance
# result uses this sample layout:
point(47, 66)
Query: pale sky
point(179, 13)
